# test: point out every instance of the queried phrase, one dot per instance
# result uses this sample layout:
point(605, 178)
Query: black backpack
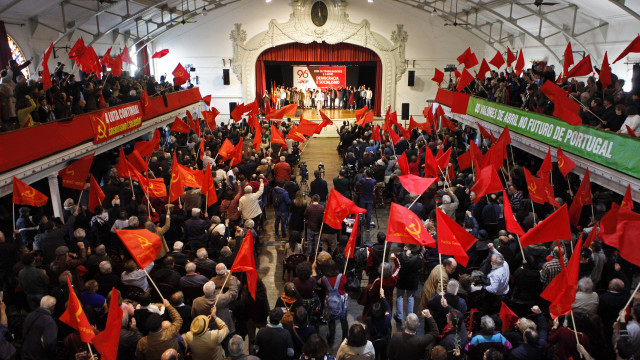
point(276, 199)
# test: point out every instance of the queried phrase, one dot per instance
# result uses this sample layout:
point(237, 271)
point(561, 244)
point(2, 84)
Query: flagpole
point(593, 214)
point(630, 299)
point(384, 255)
point(13, 210)
point(318, 243)
point(414, 201)
point(524, 259)
point(584, 107)
point(79, 198)
point(154, 284)
point(534, 212)
point(133, 195)
point(222, 288)
point(513, 159)
point(346, 262)
point(569, 184)
point(575, 331)
point(90, 351)
point(441, 276)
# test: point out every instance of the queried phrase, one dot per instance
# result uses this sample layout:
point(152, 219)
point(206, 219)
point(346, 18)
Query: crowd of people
point(610, 108)
point(346, 98)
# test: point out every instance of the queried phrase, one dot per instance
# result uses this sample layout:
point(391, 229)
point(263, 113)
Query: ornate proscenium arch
point(337, 29)
point(323, 53)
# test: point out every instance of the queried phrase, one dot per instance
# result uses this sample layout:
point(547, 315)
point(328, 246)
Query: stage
point(338, 114)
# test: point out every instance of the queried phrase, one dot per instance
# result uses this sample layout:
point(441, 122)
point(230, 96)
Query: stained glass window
point(18, 56)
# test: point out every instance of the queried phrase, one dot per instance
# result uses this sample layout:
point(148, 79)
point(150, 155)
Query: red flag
point(583, 68)
point(476, 154)
point(360, 112)
point(394, 137)
point(209, 187)
point(180, 75)
point(630, 131)
point(179, 126)
point(593, 235)
point(160, 54)
point(350, 249)
point(505, 138)
point(257, 138)
point(246, 263)
point(295, 135)
point(237, 153)
point(277, 136)
point(448, 124)
point(403, 164)
point(483, 132)
point(252, 107)
point(405, 227)
point(415, 184)
point(74, 176)
point(178, 179)
point(438, 77)
point(375, 135)
point(143, 245)
point(137, 161)
point(465, 79)
point(488, 183)
point(116, 66)
point(77, 50)
point(627, 201)
point(547, 166)
point(510, 220)
point(465, 160)
point(89, 61)
point(633, 47)
point(368, 117)
point(443, 160)
point(210, 118)
point(125, 56)
point(106, 59)
point(497, 60)
point(564, 109)
point(96, 196)
point(568, 59)
point(456, 73)
point(325, 121)
point(125, 169)
point(195, 126)
point(495, 156)
point(46, 75)
point(237, 112)
point(413, 124)
point(519, 64)
point(468, 58)
point(144, 101)
point(430, 164)
point(226, 150)
point(452, 238)
point(338, 208)
point(406, 134)
point(540, 190)
point(581, 198)
point(620, 228)
point(75, 317)
point(154, 187)
point(207, 100)
point(561, 291)
point(510, 57)
point(106, 342)
point(508, 317)
point(555, 227)
point(307, 127)
point(24, 194)
point(565, 164)
point(484, 68)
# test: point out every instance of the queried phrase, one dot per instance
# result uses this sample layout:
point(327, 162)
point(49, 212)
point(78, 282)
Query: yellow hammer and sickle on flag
point(414, 228)
point(623, 204)
point(70, 172)
point(143, 241)
point(532, 187)
point(77, 315)
point(30, 193)
point(174, 179)
point(150, 185)
point(191, 178)
point(560, 162)
point(101, 128)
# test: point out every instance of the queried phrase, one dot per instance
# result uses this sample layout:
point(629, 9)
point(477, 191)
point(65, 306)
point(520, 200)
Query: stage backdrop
point(322, 77)
point(322, 53)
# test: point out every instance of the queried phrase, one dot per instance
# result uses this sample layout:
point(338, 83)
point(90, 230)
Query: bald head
point(170, 354)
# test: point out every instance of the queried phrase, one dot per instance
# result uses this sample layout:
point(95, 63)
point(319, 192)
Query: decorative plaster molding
point(301, 29)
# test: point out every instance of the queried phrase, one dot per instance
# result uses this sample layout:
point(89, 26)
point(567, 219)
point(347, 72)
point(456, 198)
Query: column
point(54, 190)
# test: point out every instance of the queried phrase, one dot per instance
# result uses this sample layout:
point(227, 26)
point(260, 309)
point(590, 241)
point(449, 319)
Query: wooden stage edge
point(313, 114)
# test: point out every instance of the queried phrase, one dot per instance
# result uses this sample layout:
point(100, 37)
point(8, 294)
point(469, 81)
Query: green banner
point(606, 148)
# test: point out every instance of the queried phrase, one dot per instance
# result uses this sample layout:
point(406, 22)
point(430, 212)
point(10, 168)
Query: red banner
point(112, 122)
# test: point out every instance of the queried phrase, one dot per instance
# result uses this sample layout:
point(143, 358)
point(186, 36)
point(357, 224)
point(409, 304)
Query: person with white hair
point(191, 278)
point(106, 278)
point(212, 293)
point(99, 254)
point(178, 256)
point(449, 203)
point(249, 204)
point(195, 229)
point(202, 261)
point(40, 331)
point(586, 299)
point(235, 346)
point(282, 170)
point(408, 344)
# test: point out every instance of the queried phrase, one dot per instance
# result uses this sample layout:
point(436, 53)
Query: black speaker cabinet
point(405, 111)
point(232, 106)
point(412, 77)
point(225, 77)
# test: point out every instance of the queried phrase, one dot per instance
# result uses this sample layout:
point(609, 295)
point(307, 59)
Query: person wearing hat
point(64, 262)
point(159, 340)
point(204, 343)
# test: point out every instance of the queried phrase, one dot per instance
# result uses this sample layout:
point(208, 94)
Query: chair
point(165, 289)
point(115, 256)
point(180, 269)
point(191, 255)
point(204, 272)
point(289, 264)
point(191, 293)
point(131, 292)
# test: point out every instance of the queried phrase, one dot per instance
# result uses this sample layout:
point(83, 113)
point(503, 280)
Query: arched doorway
point(321, 54)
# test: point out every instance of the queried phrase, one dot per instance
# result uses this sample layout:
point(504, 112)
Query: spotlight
point(434, 13)
point(204, 11)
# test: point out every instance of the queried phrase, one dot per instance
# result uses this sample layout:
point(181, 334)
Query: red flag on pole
point(351, 244)
point(179, 126)
point(338, 208)
point(106, 59)
point(180, 75)
point(484, 68)
point(510, 220)
point(277, 136)
point(468, 58)
point(125, 56)
point(591, 238)
point(142, 244)
point(465, 79)
point(497, 60)
point(75, 317)
point(257, 138)
point(77, 50)
point(561, 291)
point(106, 342)
point(137, 161)
point(406, 227)
point(620, 228)
point(488, 182)
point(519, 64)
point(46, 75)
point(443, 160)
point(74, 176)
point(547, 165)
point(605, 72)
point(583, 68)
point(160, 54)
point(154, 187)
point(555, 227)
point(210, 118)
point(540, 190)
point(403, 164)
point(209, 187)
point(360, 112)
point(393, 136)
point(207, 99)
point(438, 77)
point(325, 121)
point(24, 194)
point(568, 59)
point(177, 183)
point(237, 112)
point(483, 132)
point(415, 184)
point(246, 263)
point(581, 198)
point(375, 135)
point(307, 127)
point(633, 47)
point(96, 196)
point(116, 68)
point(295, 134)
point(565, 164)
point(406, 134)
point(237, 154)
point(452, 238)
point(508, 317)
point(227, 150)
point(430, 164)
point(627, 201)
point(510, 57)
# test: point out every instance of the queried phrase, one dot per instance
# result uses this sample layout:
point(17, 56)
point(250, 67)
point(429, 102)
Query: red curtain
point(143, 58)
point(5, 51)
point(319, 52)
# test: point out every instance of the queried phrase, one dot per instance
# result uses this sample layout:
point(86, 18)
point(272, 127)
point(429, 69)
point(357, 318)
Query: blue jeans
point(400, 294)
point(311, 242)
point(282, 218)
point(368, 205)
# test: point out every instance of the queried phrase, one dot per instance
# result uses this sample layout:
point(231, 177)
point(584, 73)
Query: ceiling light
point(268, 1)
point(434, 13)
point(204, 11)
point(370, 1)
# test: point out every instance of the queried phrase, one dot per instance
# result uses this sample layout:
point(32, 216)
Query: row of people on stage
point(346, 98)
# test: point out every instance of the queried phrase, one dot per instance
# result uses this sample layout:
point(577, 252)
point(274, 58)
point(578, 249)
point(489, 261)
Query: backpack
point(276, 199)
point(335, 304)
point(287, 317)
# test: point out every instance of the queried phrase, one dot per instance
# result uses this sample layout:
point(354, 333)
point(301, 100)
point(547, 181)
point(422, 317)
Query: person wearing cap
point(159, 340)
point(64, 262)
point(195, 229)
point(204, 343)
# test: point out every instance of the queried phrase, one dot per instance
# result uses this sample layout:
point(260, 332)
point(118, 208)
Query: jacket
point(285, 201)
point(207, 346)
point(153, 345)
point(40, 333)
point(203, 304)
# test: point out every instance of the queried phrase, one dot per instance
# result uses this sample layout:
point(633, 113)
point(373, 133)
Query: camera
point(303, 172)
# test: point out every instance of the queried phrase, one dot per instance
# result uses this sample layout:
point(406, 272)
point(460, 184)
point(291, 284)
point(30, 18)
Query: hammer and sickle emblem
point(414, 229)
point(560, 162)
point(29, 193)
point(77, 314)
point(174, 179)
point(70, 172)
point(191, 178)
point(143, 241)
point(150, 185)
point(532, 187)
point(101, 128)
point(623, 204)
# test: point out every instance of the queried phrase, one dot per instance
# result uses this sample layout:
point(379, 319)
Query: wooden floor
point(313, 114)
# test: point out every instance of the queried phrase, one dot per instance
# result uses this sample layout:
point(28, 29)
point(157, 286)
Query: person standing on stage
point(369, 97)
point(319, 100)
